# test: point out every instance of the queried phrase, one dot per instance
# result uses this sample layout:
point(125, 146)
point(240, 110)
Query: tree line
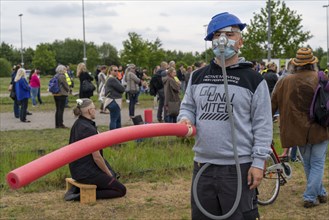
point(287, 35)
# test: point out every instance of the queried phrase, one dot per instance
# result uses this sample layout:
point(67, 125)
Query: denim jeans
point(34, 92)
point(115, 115)
point(293, 153)
point(314, 156)
point(132, 103)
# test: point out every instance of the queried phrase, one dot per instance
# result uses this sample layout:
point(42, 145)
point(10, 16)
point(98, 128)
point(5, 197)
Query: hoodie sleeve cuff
point(259, 163)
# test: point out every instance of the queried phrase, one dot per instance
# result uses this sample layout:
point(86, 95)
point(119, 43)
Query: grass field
point(156, 172)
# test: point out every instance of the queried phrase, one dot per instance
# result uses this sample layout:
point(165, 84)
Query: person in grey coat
point(113, 101)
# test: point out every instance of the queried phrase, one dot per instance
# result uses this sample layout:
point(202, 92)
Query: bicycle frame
point(276, 174)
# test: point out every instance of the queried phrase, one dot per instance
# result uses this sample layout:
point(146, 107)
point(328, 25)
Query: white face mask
point(229, 50)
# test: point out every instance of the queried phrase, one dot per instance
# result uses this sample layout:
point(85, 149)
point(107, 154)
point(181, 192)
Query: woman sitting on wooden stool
point(93, 168)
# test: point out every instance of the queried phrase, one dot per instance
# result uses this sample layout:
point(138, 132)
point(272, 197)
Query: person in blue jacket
point(23, 93)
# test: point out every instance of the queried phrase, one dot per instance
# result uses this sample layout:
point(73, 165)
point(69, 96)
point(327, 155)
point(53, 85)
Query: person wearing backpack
point(158, 84)
point(293, 96)
point(83, 75)
point(60, 97)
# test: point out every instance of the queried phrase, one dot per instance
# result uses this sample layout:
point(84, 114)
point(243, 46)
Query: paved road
point(42, 120)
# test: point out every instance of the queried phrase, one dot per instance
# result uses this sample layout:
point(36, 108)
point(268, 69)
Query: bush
point(5, 68)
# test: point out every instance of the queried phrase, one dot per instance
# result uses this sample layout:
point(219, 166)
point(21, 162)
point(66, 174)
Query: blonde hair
point(81, 68)
point(110, 69)
point(81, 105)
point(20, 74)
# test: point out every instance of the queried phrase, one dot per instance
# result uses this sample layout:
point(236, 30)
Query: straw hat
point(304, 56)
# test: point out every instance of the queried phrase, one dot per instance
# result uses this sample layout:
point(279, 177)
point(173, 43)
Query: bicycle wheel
point(269, 188)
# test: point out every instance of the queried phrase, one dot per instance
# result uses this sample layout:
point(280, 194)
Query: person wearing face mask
point(204, 106)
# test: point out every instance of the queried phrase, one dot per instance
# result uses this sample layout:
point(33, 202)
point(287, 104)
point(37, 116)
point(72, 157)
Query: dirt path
point(42, 120)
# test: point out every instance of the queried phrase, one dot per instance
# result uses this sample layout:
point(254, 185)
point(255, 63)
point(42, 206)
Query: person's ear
point(240, 43)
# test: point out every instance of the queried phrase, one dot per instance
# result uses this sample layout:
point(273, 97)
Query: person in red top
point(35, 86)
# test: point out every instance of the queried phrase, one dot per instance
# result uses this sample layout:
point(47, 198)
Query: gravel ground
point(42, 120)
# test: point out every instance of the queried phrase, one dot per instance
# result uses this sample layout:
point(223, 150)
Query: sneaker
point(127, 101)
point(310, 204)
point(323, 199)
point(28, 113)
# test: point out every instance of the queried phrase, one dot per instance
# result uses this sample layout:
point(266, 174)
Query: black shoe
point(61, 126)
point(310, 204)
point(73, 194)
point(323, 199)
point(72, 197)
point(28, 113)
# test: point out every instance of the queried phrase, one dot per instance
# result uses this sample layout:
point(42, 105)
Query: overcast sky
point(178, 24)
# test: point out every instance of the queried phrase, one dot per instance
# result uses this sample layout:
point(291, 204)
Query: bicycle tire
point(269, 188)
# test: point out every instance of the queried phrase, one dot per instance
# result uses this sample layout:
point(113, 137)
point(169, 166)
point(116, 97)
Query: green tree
point(287, 33)
point(44, 58)
point(93, 58)
point(10, 53)
point(135, 50)
point(155, 54)
point(322, 56)
point(323, 62)
point(28, 58)
point(5, 67)
point(68, 51)
point(108, 54)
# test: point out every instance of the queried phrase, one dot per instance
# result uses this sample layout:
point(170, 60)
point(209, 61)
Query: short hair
point(61, 69)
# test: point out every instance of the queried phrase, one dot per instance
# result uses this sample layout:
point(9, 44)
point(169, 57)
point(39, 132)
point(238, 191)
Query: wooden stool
point(87, 191)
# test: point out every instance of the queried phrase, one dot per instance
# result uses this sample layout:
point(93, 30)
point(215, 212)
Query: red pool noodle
point(54, 160)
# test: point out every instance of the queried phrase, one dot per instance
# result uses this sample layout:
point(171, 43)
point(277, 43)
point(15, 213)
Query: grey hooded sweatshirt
point(204, 105)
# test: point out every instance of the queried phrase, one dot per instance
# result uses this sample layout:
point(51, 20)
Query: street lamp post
point(205, 43)
point(327, 7)
point(84, 35)
point(269, 45)
point(22, 59)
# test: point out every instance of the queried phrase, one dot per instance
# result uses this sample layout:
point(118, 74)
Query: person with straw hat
point(293, 96)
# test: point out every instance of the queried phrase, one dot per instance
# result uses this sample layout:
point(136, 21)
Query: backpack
point(53, 85)
point(155, 84)
point(153, 90)
point(319, 110)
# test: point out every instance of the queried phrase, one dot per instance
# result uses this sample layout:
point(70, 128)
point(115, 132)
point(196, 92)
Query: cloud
point(58, 10)
point(162, 29)
point(66, 9)
point(163, 14)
